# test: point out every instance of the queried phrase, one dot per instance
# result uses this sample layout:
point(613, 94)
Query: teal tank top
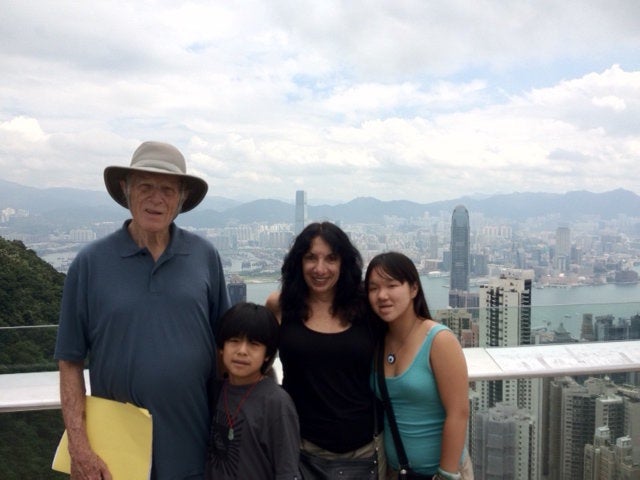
point(418, 410)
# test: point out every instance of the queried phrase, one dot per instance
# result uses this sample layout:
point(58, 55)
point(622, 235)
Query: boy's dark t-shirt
point(265, 443)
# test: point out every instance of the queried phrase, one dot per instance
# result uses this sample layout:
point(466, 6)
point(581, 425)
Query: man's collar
point(127, 247)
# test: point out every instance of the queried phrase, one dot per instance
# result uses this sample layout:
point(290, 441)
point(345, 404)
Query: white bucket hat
point(156, 157)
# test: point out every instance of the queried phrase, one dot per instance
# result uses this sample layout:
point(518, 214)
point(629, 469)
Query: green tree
point(30, 294)
point(27, 444)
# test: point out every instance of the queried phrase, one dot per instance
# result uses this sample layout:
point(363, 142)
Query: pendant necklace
point(232, 418)
point(391, 356)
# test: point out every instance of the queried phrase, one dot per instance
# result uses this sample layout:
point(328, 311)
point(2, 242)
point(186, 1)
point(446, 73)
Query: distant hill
point(514, 206)
point(519, 206)
point(41, 200)
point(65, 207)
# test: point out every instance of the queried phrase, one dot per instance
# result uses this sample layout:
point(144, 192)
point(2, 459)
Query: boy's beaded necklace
point(232, 418)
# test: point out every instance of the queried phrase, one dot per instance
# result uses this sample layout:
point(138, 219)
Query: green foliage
point(28, 441)
point(27, 350)
point(30, 288)
point(30, 294)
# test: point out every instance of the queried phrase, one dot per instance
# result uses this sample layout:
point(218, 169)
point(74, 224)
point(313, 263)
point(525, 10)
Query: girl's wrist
point(444, 475)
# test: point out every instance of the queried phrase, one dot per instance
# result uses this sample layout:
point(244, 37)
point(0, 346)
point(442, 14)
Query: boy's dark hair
point(256, 323)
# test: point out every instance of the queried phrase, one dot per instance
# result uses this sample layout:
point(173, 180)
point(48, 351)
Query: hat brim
point(196, 187)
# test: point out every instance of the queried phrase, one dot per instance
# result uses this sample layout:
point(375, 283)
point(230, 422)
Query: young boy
point(254, 432)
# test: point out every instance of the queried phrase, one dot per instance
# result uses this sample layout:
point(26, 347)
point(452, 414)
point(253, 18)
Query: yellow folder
point(120, 433)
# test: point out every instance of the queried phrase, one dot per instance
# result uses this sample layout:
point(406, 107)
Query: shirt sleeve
point(72, 339)
point(219, 303)
point(285, 437)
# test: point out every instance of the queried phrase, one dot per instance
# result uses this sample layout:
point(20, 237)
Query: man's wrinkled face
point(154, 200)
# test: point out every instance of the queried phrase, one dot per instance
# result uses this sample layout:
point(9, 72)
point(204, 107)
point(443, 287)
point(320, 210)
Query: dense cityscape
point(588, 250)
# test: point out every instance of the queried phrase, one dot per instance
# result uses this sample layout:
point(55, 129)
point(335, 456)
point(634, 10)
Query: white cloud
point(26, 130)
point(412, 99)
point(610, 101)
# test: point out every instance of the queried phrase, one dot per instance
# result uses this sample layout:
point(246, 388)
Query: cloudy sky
point(399, 99)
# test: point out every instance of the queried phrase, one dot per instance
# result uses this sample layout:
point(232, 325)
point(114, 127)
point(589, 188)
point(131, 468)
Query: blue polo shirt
point(147, 329)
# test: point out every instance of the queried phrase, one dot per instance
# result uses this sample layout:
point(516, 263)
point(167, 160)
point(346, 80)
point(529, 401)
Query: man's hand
point(86, 465)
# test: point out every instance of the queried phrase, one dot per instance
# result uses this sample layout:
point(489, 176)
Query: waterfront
point(552, 306)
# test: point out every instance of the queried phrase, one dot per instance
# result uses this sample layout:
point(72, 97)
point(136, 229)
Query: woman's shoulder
point(273, 302)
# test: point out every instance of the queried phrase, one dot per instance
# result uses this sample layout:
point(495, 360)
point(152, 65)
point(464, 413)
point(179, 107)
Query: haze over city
point(414, 100)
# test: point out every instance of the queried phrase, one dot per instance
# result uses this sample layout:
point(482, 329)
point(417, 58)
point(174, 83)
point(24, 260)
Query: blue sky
point(407, 99)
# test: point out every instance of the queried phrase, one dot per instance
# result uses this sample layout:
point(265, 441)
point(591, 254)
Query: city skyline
point(415, 100)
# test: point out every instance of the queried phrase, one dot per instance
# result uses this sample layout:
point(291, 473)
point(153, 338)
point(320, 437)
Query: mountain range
point(68, 207)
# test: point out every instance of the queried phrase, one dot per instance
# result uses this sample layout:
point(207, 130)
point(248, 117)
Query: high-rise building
point(631, 421)
point(237, 289)
point(465, 300)
point(607, 329)
point(576, 430)
point(610, 412)
point(506, 306)
point(301, 211)
point(563, 248)
point(504, 447)
point(586, 330)
point(432, 249)
point(551, 425)
point(460, 249)
point(505, 321)
point(597, 458)
point(625, 458)
point(459, 321)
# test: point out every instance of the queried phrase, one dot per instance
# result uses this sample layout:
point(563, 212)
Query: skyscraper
point(576, 428)
point(237, 289)
point(504, 448)
point(563, 248)
point(301, 211)
point(459, 250)
point(505, 321)
point(506, 305)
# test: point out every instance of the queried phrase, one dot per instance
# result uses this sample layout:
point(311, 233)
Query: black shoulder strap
point(388, 408)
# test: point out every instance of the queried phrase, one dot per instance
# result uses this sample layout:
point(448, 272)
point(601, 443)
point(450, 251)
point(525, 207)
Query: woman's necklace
point(232, 418)
point(391, 356)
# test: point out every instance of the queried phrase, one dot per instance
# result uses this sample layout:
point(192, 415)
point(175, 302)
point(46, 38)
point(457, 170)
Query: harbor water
point(552, 306)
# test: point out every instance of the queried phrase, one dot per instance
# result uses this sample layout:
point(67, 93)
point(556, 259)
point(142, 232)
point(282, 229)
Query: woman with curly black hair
point(327, 344)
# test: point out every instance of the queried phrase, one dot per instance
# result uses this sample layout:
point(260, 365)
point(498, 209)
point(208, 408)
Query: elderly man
point(142, 305)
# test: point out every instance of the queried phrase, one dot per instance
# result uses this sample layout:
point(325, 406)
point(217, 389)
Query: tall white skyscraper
point(505, 321)
point(301, 211)
point(505, 304)
point(563, 248)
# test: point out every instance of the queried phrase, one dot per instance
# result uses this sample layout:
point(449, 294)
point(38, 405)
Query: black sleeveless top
point(327, 376)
